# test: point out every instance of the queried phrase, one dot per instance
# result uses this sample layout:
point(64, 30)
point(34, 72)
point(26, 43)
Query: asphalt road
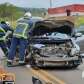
point(69, 76)
point(22, 74)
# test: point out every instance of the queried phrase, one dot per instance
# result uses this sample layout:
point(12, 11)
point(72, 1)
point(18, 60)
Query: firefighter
point(5, 30)
point(20, 37)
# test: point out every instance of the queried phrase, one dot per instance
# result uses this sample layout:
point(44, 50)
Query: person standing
point(5, 31)
point(20, 38)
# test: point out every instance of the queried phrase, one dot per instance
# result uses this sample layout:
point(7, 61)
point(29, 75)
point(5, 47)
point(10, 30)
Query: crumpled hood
point(47, 26)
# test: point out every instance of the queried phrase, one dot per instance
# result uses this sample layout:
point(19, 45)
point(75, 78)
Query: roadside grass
point(79, 20)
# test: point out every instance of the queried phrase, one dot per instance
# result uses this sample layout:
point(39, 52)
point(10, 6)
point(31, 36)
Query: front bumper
point(58, 61)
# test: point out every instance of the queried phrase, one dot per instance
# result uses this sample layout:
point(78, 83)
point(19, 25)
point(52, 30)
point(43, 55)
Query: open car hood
point(48, 26)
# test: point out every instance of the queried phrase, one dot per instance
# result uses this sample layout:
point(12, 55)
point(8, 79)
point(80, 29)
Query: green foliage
point(79, 20)
point(38, 11)
point(9, 12)
point(34, 11)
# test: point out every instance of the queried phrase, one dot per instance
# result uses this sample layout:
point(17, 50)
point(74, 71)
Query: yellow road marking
point(38, 74)
point(54, 78)
point(47, 77)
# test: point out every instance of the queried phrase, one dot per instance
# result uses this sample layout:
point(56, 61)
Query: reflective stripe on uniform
point(21, 32)
point(1, 39)
point(25, 31)
point(2, 30)
point(19, 36)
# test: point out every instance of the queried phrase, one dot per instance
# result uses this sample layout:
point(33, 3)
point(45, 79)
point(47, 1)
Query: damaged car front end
point(60, 49)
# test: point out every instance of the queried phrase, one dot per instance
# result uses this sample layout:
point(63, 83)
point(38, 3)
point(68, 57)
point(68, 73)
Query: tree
point(9, 11)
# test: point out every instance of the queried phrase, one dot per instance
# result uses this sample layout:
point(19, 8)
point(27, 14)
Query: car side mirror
point(78, 35)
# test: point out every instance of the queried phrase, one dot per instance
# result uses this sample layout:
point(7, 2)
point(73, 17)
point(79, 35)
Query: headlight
point(74, 51)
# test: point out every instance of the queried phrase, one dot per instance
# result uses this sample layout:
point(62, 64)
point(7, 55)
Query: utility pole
point(50, 3)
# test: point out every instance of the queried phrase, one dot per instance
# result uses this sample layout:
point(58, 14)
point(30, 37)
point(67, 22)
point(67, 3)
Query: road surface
point(62, 76)
point(68, 76)
point(23, 75)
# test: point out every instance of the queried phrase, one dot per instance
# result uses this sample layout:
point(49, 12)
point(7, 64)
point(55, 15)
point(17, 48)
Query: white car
point(47, 49)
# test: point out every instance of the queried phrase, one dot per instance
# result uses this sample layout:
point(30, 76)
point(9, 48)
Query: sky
point(42, 3)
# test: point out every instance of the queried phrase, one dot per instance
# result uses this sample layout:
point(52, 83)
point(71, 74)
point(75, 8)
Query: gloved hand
point(6, 36)
point(8, 33)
